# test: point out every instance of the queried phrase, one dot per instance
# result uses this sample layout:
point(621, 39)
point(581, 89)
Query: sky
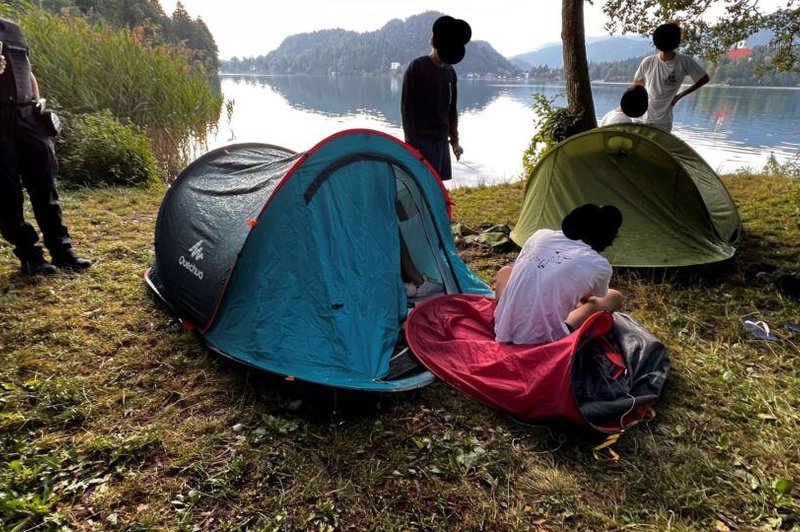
point(246, 28)
point(250, 27)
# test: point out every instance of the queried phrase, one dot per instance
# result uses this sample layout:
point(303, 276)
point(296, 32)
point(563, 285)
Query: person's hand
point(2, 65)
point(40, 104)
point(457, 150)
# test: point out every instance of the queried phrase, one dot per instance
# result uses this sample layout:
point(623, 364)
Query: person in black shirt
point(430, 122)
point(430, 93)
point(28, 158)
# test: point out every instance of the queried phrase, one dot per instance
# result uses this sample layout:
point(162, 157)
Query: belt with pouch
point(8, 112)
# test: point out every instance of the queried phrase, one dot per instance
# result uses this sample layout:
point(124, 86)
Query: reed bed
point(88, 68)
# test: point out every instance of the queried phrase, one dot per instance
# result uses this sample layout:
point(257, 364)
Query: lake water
point(730, 127)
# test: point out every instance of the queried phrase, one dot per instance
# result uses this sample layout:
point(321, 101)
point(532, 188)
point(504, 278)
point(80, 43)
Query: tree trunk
point(576, 67)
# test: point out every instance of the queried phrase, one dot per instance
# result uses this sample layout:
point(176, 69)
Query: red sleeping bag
point(605, 375)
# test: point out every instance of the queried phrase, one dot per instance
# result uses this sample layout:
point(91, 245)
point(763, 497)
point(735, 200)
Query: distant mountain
point(337, 51)
point(598, 50)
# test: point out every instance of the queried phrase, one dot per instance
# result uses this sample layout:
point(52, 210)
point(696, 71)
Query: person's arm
point(35, 86)
point(38, 101)
point(453, 119)
point(639, 78)
point(601, 281)
point(699, 83)
point(698, 75)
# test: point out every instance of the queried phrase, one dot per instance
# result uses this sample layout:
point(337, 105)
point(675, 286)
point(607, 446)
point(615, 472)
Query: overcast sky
point(251, 27)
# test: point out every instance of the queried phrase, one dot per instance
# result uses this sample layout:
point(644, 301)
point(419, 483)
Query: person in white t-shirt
point(633, 104)
point(559, 279)
point(662, 75)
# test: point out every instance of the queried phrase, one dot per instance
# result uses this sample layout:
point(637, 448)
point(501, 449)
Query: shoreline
point(711, 85)
point(499, 82)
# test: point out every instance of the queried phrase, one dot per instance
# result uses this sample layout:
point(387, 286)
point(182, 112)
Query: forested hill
point(372, 53)
point(148, 20)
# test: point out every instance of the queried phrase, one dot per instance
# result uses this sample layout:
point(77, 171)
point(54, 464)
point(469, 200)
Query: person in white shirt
point(662, 75)
point(633, 104)
point(559, 279)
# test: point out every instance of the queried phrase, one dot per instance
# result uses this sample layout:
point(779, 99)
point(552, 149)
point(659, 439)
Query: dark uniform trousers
point(28, 158)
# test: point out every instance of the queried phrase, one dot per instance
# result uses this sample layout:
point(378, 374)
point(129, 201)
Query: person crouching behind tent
point(633, 104)
point(559, 279)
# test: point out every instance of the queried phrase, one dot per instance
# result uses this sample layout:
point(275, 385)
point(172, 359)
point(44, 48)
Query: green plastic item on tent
point(676, 211)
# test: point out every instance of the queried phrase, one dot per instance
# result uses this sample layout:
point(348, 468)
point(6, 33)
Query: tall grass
point(84, 68)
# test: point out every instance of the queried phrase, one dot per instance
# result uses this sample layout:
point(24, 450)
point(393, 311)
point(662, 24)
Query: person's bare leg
point(611, 302)
point(503, 275)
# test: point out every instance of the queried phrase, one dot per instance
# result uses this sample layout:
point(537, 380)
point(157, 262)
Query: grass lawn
point(113, 417)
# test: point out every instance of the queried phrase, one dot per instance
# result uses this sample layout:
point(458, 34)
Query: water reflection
point(338, 96)
point(730, 127)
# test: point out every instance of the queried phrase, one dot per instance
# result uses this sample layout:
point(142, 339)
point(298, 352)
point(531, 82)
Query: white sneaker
point(426, 289)
point(411, 289)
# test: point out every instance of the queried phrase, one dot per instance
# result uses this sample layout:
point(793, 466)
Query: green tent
point(676, 211)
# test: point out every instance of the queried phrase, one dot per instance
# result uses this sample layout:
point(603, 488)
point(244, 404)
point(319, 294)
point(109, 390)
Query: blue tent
point(290, 262)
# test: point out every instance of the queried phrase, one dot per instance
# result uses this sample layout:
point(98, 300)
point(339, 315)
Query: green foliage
point(790, 168)
point(27, 497)
point(6, 10)
point(546, 73)
point(86, 68)
point(27, 493)
point(119, 449)
point(738, 20)
point(57, 5)
point(325, 517)
point(754, 70)
point(553, 124)
point(98, 149)
point(120, 13)
point(148, 17)
point(370, 53)
point(195, 35)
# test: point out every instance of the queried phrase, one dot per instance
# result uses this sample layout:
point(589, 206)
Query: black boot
point(68, 260)
point(34, 264)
